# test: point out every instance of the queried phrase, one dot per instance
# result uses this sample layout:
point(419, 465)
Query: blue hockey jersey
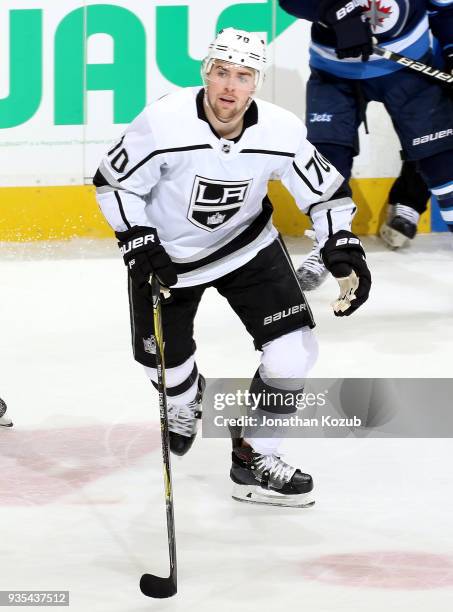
point(402, 26)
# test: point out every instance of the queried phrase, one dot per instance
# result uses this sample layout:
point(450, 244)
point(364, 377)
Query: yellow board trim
point(61, 213)
point(50, 213)
point(370, 195)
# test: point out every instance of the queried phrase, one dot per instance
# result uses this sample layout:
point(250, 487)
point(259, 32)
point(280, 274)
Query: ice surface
point(81, 496)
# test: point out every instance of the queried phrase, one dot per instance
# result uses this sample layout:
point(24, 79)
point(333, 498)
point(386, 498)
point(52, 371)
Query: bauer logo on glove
point(144, 255)
point(353, 241)
point(347, 8)
point(136, 243)
point(344, 257)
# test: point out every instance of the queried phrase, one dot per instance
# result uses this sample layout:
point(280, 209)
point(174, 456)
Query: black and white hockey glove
point(143, 254)
point(344, 257)
point(352, 29)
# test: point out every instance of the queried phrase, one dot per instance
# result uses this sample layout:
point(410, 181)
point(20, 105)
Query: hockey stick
point(150, 585)
point(429, 71)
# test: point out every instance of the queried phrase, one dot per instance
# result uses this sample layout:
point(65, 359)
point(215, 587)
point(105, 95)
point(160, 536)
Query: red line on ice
point(40, 466)
point(408, 570)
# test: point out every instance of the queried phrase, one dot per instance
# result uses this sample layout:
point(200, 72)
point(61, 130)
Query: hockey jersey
point(402, 26)
point(206, 195)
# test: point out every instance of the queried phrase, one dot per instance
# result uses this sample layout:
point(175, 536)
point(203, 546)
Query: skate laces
point(182, 419)
point(278, 470)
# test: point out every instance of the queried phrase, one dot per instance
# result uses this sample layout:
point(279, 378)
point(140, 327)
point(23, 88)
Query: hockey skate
point(5, 421)
point(312, 271)
point(183, 421)
point(400, 227)
point(266, 479)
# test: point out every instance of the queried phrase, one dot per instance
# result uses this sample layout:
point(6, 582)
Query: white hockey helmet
point(237, 47)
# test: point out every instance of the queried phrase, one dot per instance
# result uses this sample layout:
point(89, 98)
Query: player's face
point(229, 88)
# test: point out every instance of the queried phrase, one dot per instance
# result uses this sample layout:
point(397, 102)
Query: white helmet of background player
point(237, 47)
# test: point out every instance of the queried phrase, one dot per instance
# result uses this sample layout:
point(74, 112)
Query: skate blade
point(392, 238)
point(256, 495)
point(5, 424)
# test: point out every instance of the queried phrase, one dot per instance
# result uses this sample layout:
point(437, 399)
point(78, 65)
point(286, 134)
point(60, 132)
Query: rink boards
point(95, 69)
point(61, 212)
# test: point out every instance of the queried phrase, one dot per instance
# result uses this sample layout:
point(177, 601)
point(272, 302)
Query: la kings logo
point(213, 203)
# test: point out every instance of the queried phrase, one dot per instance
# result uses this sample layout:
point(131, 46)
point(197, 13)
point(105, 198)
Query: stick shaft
point(428, 71)
point(160, 363)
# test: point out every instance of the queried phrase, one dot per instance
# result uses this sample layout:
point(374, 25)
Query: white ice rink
point(81, 495)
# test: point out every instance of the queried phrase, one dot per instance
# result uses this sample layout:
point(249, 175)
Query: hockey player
point(185, 191)
point(345, 76)
point(5, 421)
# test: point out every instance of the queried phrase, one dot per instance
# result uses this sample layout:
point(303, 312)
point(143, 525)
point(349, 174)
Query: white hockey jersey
point(206, 195)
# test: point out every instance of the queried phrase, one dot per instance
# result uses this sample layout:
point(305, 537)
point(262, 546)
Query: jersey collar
point(250, 116)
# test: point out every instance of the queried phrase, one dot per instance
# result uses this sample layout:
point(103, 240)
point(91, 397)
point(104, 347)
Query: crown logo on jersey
point(216, 219)
point(213, 203)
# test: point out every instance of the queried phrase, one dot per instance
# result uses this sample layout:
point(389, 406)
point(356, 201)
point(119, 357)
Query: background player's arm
point(352, 32)
point(303, 10)
point(441, 24)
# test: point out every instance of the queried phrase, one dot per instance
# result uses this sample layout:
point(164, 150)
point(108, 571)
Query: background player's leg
point(421, 113)
point(407, 200)
point(438, 173)
point(184, 384)
point(5, 421)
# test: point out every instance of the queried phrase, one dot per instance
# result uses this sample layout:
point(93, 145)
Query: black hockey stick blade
point(159, 588)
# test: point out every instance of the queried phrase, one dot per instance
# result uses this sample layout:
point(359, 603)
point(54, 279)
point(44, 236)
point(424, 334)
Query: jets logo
point(383, 14)
point(213, 203)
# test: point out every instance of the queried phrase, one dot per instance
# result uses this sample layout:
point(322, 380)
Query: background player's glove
point(143, 254)
point(352, 29)
point(344, 257)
